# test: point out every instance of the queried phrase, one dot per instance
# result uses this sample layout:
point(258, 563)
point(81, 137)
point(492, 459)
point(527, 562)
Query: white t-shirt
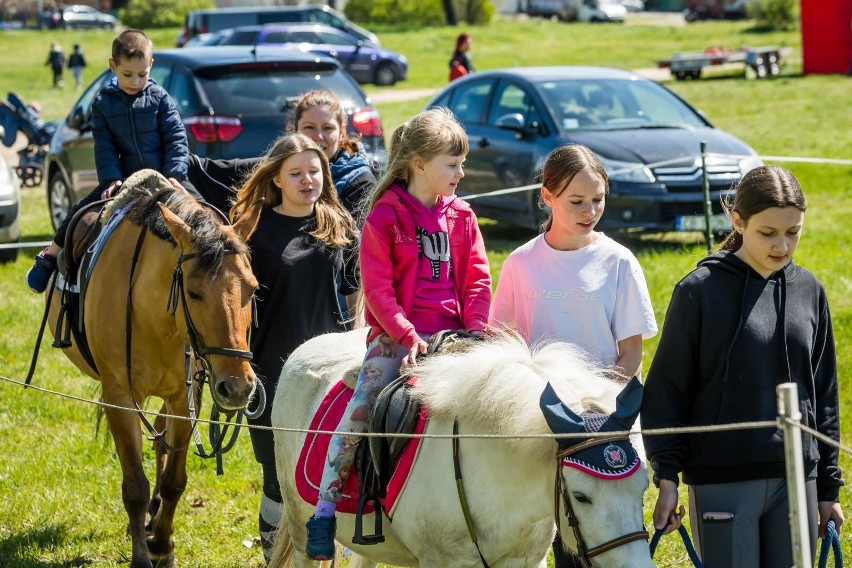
point(593, 297)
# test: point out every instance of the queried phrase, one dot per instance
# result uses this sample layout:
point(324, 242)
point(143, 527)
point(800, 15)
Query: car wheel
point(8, 255)
point(385, 75)
point(58, 198)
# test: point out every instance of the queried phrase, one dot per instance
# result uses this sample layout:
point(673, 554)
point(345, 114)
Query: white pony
point(494, 388)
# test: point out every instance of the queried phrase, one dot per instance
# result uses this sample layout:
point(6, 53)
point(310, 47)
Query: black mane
point(206, 224)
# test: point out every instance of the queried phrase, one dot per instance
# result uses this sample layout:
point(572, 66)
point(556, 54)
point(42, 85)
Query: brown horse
point(188, 282)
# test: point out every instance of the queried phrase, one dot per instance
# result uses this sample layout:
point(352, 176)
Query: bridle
point(177, 294)
point(584, 553)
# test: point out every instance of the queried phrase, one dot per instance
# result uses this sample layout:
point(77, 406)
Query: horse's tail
point(283, 550)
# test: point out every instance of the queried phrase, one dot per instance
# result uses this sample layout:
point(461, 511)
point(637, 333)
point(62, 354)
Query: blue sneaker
point(321, 531)
point(38, 276)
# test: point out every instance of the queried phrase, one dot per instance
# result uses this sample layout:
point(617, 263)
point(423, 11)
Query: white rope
point(583, 435)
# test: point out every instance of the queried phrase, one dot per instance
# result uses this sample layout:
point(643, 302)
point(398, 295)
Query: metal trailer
point(764, 61)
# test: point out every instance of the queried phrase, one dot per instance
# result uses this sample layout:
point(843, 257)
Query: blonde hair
point(428, 134)
point(334, 225)
point(322, 98)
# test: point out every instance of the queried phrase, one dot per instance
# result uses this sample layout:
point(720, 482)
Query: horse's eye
point(581, 498)
point(193, 295)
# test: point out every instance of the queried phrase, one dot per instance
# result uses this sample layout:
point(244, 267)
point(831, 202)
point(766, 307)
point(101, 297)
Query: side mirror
point(513, 121)
point(77, 119)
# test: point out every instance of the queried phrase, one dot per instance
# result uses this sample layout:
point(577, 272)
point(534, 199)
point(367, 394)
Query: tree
point(450, 11)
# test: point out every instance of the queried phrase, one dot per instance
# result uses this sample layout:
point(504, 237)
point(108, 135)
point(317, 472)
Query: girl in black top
point(301, 257)
point(746, 320)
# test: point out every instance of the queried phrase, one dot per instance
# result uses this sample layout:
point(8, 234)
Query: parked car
point(633, 5)
point(78, 16)
point(647, 137)
point(365, 62)
point(582, 10)
point(10, 199)
point(234, 101)
point(215, 19)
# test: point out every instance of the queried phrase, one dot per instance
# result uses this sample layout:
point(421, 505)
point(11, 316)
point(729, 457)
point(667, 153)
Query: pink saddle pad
point(313, 455)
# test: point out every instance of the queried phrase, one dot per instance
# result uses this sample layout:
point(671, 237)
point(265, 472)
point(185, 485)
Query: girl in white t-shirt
point(575, 284)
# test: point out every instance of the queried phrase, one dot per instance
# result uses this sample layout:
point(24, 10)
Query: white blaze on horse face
point(607, 509)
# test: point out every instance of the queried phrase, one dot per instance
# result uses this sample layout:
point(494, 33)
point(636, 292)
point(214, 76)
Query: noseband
point(586, 554)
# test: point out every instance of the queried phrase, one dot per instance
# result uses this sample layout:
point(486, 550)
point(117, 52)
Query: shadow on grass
point(16, 549)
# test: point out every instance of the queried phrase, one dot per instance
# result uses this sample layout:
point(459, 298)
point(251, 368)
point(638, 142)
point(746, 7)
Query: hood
point(729, 263)
point(647, 146)
point(399, 198)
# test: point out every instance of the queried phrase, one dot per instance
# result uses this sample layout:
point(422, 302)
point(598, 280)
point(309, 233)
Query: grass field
point(60, 481)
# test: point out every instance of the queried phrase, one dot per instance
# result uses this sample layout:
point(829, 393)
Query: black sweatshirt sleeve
point(669, 386)
point(827, 408)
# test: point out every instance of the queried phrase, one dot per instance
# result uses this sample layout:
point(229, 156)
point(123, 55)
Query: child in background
point(76, 62)
point(575, 284)
point(460, 64)
point(744, 321)
point(135, 125)
point(300, 255)
point(423, 269)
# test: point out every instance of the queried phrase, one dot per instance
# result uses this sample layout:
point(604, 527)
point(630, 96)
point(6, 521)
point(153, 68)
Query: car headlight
point(627, 171)
point(749, 163)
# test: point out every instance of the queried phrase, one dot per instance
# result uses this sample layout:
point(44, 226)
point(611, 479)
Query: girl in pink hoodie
point(423, 270)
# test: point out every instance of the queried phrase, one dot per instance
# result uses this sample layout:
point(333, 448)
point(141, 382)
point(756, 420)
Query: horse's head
point(214, 284)
point(601, 481)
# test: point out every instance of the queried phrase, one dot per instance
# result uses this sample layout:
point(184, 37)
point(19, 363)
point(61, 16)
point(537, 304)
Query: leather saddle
point(394, 412)
point(83, 229)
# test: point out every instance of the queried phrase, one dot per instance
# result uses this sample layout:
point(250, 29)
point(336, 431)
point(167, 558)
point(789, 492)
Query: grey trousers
point(758, 534)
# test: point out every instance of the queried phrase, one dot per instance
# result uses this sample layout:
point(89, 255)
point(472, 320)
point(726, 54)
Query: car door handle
point(483, 143)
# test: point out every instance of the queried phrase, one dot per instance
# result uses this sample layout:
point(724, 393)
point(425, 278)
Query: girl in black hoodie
point(744, 321)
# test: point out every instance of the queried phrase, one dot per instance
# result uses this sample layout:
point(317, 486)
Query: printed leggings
point(381, 366)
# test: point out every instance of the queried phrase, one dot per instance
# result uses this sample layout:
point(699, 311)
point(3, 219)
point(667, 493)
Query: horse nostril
point(225, 390)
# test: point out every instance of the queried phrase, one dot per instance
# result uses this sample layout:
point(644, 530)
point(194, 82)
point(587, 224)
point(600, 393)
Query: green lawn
point(61, 482)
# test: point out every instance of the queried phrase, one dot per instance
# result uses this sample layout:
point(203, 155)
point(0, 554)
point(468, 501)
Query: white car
point(601, 11)
point(10, 198)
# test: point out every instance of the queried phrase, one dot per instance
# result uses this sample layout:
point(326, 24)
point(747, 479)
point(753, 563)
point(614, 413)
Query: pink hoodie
point(389, 257)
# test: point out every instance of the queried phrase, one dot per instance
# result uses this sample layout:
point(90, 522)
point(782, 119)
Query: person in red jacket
point(423, 270)
point(460, 64)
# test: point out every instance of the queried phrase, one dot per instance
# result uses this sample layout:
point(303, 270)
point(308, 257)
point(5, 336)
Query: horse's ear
point(247, 222)
point(560, 418)
point(628, 402)
point(178, 229)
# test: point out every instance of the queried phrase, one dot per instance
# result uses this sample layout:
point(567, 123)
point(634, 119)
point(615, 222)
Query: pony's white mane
point(496, 385)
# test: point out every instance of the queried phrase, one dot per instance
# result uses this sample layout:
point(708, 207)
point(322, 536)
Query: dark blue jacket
point(137, 132)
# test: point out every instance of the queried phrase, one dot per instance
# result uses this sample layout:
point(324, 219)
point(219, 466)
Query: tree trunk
point(450, 11)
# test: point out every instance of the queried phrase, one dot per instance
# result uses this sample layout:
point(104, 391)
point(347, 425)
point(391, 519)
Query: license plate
point(718, 223)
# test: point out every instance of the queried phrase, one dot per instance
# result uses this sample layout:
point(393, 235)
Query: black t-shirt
point(297, 299)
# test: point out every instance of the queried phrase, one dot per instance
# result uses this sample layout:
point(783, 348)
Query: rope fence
point(535, 186)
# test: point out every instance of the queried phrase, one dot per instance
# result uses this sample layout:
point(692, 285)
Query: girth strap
point(462, 499)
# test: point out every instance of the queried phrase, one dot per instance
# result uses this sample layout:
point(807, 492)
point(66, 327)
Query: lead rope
point(687, 543)
point(831, 540)
point(462, 499)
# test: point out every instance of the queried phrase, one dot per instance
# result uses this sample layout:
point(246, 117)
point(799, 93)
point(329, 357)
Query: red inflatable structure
point(826, 36)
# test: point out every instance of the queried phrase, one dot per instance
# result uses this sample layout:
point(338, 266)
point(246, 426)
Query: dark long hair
point(760, 189)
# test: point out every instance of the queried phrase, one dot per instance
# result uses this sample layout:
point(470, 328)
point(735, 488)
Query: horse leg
point(124, 427)
point(160, 456)
point(171, 484)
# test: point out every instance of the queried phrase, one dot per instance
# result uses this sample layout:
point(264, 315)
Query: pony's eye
point(581, 498)
point(193, 295)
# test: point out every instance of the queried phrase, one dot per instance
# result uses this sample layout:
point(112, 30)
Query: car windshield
point(615, 104)
point(270, 90)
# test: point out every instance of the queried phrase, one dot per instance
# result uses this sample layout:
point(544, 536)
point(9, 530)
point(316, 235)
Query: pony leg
point(171, 483)
point(127, 436)
point(160, 457)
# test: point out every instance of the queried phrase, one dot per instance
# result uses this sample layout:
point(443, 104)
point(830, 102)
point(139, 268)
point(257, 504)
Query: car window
point(469, 100)
point(160, 73)
point(183, 92)
point(269, 91)
point(510, 98)
point(304, 36)
point(321, 17)
point(240, 37)
point(334, 39)
point(84, 103)
point(276, 37)
point(278, 17)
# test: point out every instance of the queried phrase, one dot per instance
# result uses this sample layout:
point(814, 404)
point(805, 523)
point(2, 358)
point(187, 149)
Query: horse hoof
point(162, 556)
point(165, 562)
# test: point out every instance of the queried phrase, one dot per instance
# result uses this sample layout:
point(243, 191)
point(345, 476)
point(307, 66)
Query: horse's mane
point(208, 237)
point(496, 385)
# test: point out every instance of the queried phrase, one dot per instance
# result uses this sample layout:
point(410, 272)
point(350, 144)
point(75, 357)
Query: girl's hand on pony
point(111, 190)
point(829, 510)
point(419, 348)
point(176, 184)
point(666, 510)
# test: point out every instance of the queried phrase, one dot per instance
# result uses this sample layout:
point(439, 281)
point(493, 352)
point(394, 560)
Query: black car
point(647, 137)
point(234, 101)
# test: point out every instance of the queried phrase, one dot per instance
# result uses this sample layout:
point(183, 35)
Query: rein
point(584, 553)
point(177, 295)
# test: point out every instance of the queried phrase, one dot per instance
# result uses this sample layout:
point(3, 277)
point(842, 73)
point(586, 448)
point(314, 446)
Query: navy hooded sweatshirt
point(730, 337)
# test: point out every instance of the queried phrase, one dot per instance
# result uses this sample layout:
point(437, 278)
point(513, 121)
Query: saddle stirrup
point(377, 536)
